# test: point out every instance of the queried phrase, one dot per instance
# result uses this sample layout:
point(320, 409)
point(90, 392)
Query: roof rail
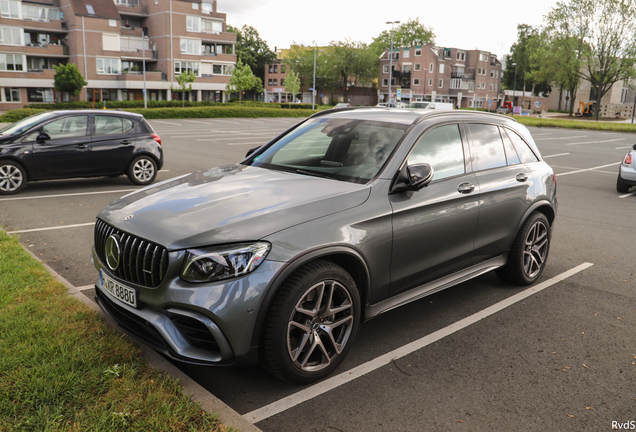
point(435, 113)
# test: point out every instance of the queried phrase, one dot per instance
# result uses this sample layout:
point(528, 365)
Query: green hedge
point(121, 104)
point(220, 112)
point(18, 114)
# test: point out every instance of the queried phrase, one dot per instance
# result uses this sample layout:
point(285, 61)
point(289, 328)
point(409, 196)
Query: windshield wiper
point(314, 174)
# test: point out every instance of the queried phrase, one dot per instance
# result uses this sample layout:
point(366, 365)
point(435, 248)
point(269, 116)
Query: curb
point(206, 400)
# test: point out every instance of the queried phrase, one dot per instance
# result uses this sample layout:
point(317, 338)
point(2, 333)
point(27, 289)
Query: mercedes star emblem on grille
point(112, 252)
point(129, 217)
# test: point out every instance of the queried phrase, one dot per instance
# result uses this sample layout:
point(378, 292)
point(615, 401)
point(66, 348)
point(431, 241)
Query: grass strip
point(63, 369)
point(577, 124)
point(220, 112)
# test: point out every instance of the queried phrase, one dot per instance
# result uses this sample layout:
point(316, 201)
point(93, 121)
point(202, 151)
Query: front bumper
point(205, 324)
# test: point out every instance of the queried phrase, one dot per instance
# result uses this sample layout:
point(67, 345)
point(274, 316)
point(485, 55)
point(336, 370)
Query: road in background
point(562, 359)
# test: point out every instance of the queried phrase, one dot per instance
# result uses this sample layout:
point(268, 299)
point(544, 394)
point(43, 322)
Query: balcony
point(464, 76)
point(397, 74)
point(139, 76)
point(44, 49)
point(131, 7)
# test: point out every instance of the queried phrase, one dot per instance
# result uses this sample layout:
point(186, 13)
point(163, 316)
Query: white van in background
point(432, 105)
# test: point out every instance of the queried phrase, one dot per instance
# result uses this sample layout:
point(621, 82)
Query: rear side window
point(488, 147)
point(525, 153)
point(442, 149)
point(109, 125)
point(511, 154)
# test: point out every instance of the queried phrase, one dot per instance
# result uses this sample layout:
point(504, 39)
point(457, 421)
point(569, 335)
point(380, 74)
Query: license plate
point(120, 292)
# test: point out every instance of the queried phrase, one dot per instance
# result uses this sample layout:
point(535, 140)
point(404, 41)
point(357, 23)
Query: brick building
point(468, 78)
point(108, 41)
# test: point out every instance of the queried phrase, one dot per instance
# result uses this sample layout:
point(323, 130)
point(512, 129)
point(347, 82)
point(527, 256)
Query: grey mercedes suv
point(348, 214)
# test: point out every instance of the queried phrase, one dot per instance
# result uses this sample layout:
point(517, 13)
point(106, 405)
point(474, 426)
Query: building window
point(110, 42)
point(39, 94)
point(12, 94)
point(492, 73)
point(406, 68)
point(211, 26)
point(441, 68)
point(10, 36)
point(492, 87)
point(11, 62)
point(418, 52)
point(430, 82)
point(195, 6)
point(282, 81)
point(282, 69)
point(431, 67)
point(275, 68)
point(416, 67)
point(10, 9)
point(275, 81)
point(484, 57)
point(440, 83)
point(112, 23)
point(270, 82)
point(416, 81)
point(385, 82)
point(461, 56)
point(108, 66)
point(193, 24)
point(90, 10)
point(222, 69)
point(186, 66)
point(191, 46)
point(385, 69)
point(206, 8)
point(406, 53)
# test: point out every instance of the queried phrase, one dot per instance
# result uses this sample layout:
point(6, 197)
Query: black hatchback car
point(84, 143)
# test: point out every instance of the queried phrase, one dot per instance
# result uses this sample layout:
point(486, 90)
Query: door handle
point(82, 146)
point(125, 142)
point(521, 177)
point(465, 188)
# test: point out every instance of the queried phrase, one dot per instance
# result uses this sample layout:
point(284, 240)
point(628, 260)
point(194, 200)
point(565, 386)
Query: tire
point(142, 170)
point(620, 186)
point(302, 341)
point(529, 252)
point(12, 177)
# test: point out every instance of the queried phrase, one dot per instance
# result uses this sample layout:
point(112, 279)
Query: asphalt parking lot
point(562, 358)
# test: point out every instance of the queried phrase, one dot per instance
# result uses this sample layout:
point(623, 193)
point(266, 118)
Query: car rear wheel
point(142, 170)
point(312, 323)
point(620, 186)
point(529, 252)
point(12, 177)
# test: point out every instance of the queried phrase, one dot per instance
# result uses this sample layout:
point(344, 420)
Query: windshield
point(341, 149)
point(25, 124)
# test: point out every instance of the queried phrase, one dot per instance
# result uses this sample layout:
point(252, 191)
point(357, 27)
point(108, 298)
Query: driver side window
point(67, 127)
point(442, 149)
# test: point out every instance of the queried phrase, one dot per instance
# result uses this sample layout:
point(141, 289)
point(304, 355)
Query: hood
point(229, 204)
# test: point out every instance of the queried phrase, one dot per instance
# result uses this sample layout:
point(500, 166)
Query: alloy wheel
point(535, 249)
point(10, 178)
point(320, 326)
point(143, 170)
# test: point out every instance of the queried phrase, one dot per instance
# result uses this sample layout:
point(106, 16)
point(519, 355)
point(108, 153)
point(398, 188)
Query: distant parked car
point(627, 172)
point(432, 105)
point(81, 143)
point(383, 105)
point(341, 105)
point(347, 215)
point(503, 110)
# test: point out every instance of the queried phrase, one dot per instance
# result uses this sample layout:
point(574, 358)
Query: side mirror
point(43, 137)
point(420, 175)
point(250, 151)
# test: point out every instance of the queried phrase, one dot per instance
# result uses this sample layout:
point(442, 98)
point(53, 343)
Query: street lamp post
point(514, 91)
point(143, 49)
point(313, 90)
point(391, 58)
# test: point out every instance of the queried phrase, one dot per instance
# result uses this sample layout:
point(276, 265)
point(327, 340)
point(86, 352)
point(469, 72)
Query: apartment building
point(465, 78)
point(110, 41)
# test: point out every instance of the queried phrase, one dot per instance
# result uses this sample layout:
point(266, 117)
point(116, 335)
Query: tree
point(292, 83)
point(68, 79)
point(602, 33)
point(243, 79)
point(410, 33)
point(352, 64)
point(252, 50)
point(184, 81)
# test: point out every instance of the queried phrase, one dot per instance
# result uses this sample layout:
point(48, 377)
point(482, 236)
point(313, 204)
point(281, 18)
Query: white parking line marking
point(51, 228)
point(555, 155)
point(68, 195)
point(541, 134)
point(233, 138)
point(248, 143)
point(163, 171)
point(598, 142)
point(350, 375)
point(548, 139)
point(195, 121)
point(627, 195)
point(621, 148)
point(226, 121)
point(161, 121)
point(588, 169)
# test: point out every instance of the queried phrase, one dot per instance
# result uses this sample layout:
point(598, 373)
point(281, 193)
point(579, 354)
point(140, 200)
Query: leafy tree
point(292, 83)
point(184, 81)
point(410, 33)
point(520, 54)
point(68, 79)
point(609, 36)
point(252, 50)
point(243, 80)
point(300, 58)
point(351, 64)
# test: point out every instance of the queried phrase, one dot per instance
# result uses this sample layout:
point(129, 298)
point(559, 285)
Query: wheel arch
point(542, 206)
point(27, 170)
point(344, 256)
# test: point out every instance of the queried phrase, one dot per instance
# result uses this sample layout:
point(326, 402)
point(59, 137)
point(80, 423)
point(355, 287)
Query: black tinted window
point(511, 153)
point(442, 149)
point(488, 147)
point(525, 154)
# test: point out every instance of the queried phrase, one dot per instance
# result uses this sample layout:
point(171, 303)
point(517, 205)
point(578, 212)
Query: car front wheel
point(12, 177)
point(311, 323)
point(529, 252)
point(142, 170)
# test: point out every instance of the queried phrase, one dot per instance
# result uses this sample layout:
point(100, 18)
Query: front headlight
point(223, 262)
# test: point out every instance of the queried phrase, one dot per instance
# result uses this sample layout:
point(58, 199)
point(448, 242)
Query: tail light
point(156, 138)
point(628, 159)
point(554, 179)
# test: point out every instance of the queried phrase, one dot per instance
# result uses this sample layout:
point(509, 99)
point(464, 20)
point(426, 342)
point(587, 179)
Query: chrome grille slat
point(141, 262)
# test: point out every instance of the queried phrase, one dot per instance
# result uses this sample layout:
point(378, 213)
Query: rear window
point(525, 153)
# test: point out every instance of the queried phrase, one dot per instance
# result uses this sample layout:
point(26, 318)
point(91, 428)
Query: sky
point(488, 26)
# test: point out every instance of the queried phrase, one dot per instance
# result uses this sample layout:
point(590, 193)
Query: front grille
point(194, 331)
point(141, 262)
